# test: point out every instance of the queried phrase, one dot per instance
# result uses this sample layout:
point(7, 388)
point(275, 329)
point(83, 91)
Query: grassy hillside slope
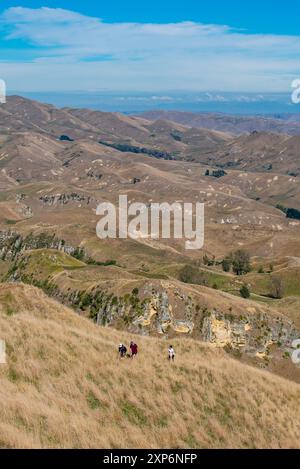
point(64, 386)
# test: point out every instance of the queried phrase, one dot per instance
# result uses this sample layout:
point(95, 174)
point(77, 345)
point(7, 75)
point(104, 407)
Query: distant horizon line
point(270, 104)
point(287, 93)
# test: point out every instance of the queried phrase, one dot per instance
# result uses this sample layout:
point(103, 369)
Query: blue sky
point(257, 16)
point(157, 46)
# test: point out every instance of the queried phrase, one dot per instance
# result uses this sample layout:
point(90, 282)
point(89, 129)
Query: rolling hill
point(57, 165)
point(234, 124)
point(63, 386)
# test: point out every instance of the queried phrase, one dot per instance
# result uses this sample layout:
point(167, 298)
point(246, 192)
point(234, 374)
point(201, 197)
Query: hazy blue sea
point(214, 101)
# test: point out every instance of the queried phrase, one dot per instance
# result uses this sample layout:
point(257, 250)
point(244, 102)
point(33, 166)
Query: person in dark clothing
point(134, 349)
point(122, 350)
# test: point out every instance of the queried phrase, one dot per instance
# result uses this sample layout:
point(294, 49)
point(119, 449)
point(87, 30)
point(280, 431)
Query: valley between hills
point(68, 298)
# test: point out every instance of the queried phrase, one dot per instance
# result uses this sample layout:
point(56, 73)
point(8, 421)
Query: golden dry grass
point(64, 386)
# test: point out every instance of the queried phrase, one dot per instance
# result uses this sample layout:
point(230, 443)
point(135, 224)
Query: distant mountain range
point(235, 124)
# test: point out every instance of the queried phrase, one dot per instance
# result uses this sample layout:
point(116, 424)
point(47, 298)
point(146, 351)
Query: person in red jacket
point(134, 349)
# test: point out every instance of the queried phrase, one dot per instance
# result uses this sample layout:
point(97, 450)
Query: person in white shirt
point(171, 352)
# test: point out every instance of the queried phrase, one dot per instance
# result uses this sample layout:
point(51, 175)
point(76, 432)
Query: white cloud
point(73, 51)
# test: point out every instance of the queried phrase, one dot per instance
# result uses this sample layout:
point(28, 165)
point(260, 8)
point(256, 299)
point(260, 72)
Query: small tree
point(79, 254)
point(241, 262)
point(226, 264)
point(245, 292)
point(277, 288)
point(191, 274)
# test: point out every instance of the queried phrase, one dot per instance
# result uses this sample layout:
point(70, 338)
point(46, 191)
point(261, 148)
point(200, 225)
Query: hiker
point(122, 350)
point(134, 349)
point(171, 352)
